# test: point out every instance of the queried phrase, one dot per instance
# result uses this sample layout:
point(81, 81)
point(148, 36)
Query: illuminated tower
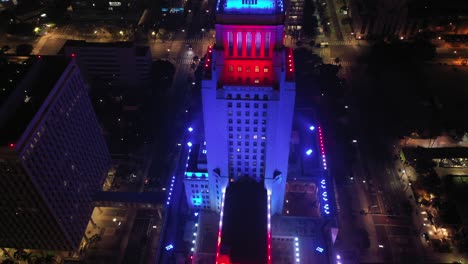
point(248, 96)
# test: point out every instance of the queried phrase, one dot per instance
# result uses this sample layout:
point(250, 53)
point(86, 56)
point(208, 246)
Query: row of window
point(247, 68)
point(255, 105)
point(248, 37)
point(248, 97)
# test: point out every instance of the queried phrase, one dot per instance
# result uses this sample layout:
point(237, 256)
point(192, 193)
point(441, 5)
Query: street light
point(190, 129)
point(354, 141)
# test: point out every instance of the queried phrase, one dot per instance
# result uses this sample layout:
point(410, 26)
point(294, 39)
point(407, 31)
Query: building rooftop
point(30, 92)
point(244, 230)
point(193, 169)
point(139, 50)
point(250, 6)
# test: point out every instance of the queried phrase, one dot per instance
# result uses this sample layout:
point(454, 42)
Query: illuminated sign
point(176, 10)
point(252, 4)
point(169, 247)
point(115, 3)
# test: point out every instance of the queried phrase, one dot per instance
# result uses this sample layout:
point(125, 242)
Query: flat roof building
point(244, 233)
point(53, 157)
point(118, 64)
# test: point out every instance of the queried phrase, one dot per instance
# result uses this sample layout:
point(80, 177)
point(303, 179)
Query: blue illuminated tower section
point(248, 94)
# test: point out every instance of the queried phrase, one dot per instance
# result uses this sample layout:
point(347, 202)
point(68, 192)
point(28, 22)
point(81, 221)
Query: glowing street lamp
point(312, 128)
point(190, 129)
point(189, 144)
point(308, 152)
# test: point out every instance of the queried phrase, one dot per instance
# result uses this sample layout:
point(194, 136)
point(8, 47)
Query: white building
point(248, 95)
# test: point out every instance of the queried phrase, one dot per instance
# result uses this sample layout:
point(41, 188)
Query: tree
point(24, 49)
point(337, 60)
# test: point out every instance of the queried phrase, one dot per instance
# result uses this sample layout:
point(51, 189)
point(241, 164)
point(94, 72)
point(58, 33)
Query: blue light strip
point(326, 206)
point(323, 182)
point(296, 250)
point(170, 190)
point(195, 234)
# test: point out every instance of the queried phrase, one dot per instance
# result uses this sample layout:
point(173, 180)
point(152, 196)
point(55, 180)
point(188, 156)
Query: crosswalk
point(182, 61)
point(196, 40)
point(342, 63)
point(347, 42)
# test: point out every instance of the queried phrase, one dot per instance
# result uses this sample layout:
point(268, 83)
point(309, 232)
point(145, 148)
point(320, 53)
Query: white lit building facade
point(248, 95)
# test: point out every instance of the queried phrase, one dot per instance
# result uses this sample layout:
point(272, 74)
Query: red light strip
point(269, 229)
point(322, 149)
point(220, 227)
point(289, 65)
point(208, 62)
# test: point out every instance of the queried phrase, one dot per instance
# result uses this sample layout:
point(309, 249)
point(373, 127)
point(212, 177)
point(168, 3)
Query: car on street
point(426, 236)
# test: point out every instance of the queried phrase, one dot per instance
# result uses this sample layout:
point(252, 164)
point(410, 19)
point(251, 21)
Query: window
point(247, 69)
point(239, 43)
point(231, 68)
point(257, 80)
point(265, 69)
point(267, 44)
point(239, 68)
point(229, 104)
point(230, 120)
point(257, 68)
point(249, 43)
point(230, 43)
point(238, 105)
point(258, 43)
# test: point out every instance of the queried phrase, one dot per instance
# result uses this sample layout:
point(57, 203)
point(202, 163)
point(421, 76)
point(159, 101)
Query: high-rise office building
point(116, 64)
point(53, 157)
point(248, 94)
